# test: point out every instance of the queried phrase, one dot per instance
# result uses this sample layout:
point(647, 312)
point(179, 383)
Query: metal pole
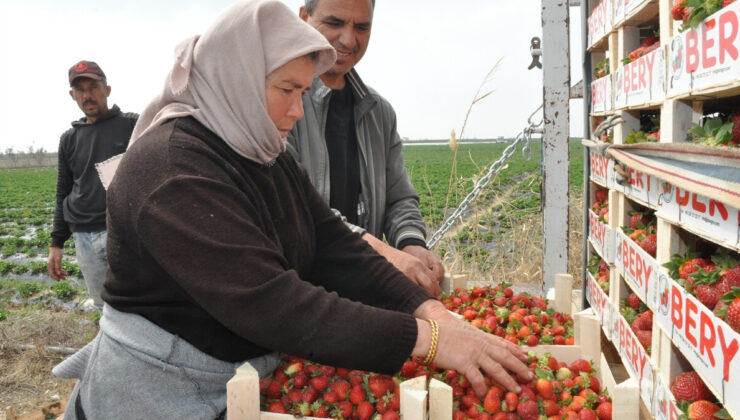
point(587, 134)
point(555, 139)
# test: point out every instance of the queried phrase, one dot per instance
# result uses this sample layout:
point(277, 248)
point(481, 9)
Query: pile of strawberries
point(600, 270)
point(642, 230)
point(640, 318)
point(558, 392)
point(695, 399)
point(520, 318)
point(650, 43)
point(691, 16)
point(602, 68)
point(714, 281)
point(304, 388)
point(601, 205)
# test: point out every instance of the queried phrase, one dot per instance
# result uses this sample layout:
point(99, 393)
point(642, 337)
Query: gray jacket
point(388, 203)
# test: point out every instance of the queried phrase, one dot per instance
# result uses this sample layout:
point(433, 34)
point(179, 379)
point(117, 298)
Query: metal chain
point(525, 136)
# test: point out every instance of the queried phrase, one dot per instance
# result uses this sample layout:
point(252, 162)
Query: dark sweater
point(80, 198)
point(240, 259)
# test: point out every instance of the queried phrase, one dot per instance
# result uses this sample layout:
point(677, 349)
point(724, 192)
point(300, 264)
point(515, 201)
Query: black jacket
point(80, 204)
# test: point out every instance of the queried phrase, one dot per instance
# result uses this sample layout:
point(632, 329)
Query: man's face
point(91, 96)
point(346, 25)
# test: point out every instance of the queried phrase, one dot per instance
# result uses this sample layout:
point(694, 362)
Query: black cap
point(89, 69)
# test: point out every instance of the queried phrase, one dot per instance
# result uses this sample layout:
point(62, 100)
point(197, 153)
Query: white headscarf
point(219, 78)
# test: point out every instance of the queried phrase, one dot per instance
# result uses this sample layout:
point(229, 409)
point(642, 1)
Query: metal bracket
point(536, 52)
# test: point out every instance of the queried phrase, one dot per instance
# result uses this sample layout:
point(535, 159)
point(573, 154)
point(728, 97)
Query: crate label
point(668, 207)
point(601, 236)
point(711, 50)
point(598, 22)
point(659, 301)
point(602, 168)
point(639, 187)
point(620, 99)
point(707, 215)
point(601, 94)
point(635, 358)
point(596, 297)
point(630, 5)
point(634, 264)
point(664, 404)
point(642, 80)
point(707, 342)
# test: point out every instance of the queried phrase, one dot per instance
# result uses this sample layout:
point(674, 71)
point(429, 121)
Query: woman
point(220, 250)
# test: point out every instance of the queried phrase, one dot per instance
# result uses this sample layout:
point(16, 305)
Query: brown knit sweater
point(241, 259)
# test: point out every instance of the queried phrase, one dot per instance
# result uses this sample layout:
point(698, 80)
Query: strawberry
point(678, 10)
point(390, 415)
point(492, 400)
point(708, 294)
point(601, 195)
point(527, 410)
point(408, 370)
point(735, 129)
point(604, 411)
point(703, 410)
point(277, 407)
point(688, 386)
point(647, 320)
point(650, 244)
point(639, 220)
point(365, 410)
point(344, 410)
point(380, 384)
point(544, 388)
point(649, 40)
point(633, 301)
point(511, 400)
point(731, 312)
point(319, 383)
point(693, 265)
point(587, 414)
point(579, 366)
point(645, 337)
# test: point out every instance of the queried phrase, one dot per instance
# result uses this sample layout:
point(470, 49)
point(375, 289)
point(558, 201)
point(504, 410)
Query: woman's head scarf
point(219, 77)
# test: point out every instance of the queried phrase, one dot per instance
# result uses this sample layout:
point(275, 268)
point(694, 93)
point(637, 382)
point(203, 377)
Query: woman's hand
point(470, 351)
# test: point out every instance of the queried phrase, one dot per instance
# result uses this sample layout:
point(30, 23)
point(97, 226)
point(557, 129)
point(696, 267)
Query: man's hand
point(429, 259)
point(411, 266)
point(54, 264)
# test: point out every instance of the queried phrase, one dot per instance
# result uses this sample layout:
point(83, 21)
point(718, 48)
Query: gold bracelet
point(435, 340)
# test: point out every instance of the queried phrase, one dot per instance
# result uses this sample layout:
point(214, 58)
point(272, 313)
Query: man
point(348, 143)
point(80, 208)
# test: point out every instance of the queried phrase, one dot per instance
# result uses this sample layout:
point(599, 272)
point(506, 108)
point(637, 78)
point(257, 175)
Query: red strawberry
point(277, 407)
point(693, 265)
point(527, 410)
point(492, 400)
point(544, 388)
point(650, 244)
point(604, 411)
point(733, 313)
point(319, 383)
point(365, 410)
point(390, 415)
point(633, 301)
point(647, 320)
point(357, 394)
point(703, 410)
point(649, 40)
point(408, 370)
point(341, 388)
point(579, 366)
point(726, 3)
point(343, 410)
point(708, 294)
point(601, 195)
point(677, 11)
point(645, 337)
point(688, 386)
point(735, 128)
point(586, 414)
point(379, 385)
point(300, 380)
point(320, 410)
point(511, 400)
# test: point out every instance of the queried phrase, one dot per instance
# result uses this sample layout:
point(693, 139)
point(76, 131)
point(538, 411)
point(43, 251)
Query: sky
point(427, 57)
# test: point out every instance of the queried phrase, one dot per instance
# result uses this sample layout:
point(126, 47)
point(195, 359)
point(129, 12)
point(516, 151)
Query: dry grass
point(26, 380)
point(519, 250)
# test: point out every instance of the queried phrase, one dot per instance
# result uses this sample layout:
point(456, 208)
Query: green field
point(441, 178)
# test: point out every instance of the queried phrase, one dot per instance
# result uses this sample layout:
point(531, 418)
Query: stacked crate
point(692, 74)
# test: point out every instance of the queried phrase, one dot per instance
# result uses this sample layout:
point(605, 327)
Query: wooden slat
point(414, 398)
point(440, 400)
point(563, 293)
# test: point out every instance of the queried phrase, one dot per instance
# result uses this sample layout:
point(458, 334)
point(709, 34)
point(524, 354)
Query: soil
point(26, 382)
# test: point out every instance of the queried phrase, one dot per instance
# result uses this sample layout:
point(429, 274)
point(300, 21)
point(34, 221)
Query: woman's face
point(284, 88)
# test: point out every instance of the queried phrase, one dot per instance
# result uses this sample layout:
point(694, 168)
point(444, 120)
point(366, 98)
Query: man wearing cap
point(80, 207)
